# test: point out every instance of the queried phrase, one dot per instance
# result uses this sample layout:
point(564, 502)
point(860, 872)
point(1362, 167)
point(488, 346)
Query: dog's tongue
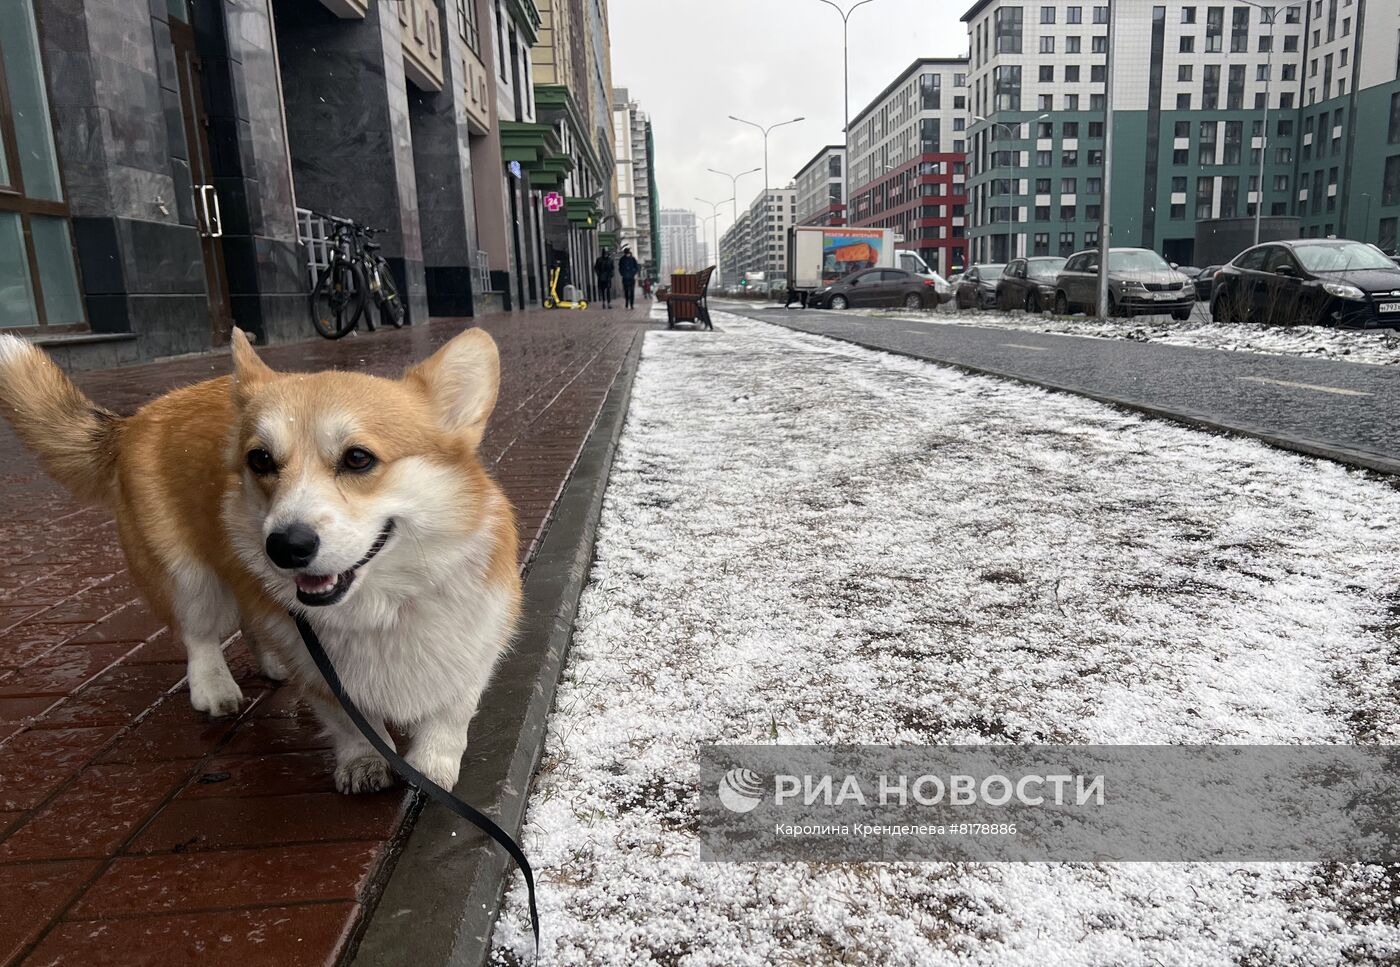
point(315, 583)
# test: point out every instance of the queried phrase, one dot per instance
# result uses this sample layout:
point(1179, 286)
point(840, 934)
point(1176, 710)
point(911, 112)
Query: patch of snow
point(1380, 347)
point(805, 541)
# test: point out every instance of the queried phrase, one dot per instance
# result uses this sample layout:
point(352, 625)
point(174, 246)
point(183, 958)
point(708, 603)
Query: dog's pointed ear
point(249, 371)
point(461, 379)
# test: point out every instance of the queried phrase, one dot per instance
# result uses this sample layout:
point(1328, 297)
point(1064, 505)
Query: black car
point(1205, 282)
point(1029, 284)
point(1309, 281)
point(877, 287)
point(977, 289)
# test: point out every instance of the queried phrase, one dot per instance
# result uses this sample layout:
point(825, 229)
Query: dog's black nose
point(294, 547)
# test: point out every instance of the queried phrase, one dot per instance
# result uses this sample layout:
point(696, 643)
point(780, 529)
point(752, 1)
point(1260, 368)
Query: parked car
point(1029, 283)
point(1140, 282)
point(977, 289)
point(1205, 281)
point(876, 287)
point(1309, 281)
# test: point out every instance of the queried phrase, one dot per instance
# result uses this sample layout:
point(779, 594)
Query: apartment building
point(757, 242)
point(636, 181)
point(819, 184)
point(680, 245)
point(908, 161)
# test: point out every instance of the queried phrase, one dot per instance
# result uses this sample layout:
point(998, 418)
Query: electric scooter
point(552, 301)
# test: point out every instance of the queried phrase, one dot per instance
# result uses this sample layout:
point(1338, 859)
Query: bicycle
point(355, 277)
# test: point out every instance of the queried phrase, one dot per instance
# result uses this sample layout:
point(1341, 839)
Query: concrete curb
point(443, 895)
point(1312, 448)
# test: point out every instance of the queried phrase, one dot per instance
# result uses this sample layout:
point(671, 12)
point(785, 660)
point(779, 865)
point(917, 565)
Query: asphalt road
point(1341, 411)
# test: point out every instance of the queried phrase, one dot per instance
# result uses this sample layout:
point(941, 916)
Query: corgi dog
point(355, 501)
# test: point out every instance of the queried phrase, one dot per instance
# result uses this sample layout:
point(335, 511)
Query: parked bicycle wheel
point(391, 310)
point(338, 300)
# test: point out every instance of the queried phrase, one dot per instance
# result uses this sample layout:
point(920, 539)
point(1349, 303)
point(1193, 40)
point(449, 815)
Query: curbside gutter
point(443, 895)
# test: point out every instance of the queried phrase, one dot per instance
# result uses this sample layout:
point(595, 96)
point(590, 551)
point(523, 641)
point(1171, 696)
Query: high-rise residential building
point(680, 245)
point(1192, 86)
point(908, 161)
point(636, 181)
point(819, 188)
point(757, 242)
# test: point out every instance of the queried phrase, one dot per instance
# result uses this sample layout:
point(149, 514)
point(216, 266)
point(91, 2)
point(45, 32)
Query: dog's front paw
point(368, 773)
point(214, 692)
point(441, 769)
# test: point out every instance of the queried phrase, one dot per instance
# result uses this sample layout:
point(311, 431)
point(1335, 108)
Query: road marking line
point(1335, 390)
point(1017, 345)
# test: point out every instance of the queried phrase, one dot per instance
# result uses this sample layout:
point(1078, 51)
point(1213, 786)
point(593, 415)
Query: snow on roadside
point(806, 541)
point(1380, 347)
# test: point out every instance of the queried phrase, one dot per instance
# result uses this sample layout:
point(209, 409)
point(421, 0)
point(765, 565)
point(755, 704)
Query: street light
point(766, 131)
point(1106, 202)
point(846, 117)
point(714, 209)
point(1270, 13)
point(734, 184)
point(1015, 131)
point(1366, 228)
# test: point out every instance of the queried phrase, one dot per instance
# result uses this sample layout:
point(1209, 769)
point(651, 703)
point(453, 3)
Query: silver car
point(1140, 283)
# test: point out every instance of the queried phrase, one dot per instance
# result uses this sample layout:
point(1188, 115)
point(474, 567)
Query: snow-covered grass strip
point(808, 542)
point(1377, 346)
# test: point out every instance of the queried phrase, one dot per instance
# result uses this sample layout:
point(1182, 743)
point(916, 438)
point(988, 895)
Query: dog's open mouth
point(319, 590)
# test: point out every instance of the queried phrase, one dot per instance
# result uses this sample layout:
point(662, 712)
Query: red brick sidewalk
point(133, 830)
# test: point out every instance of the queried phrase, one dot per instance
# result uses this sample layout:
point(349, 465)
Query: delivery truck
point(820, 255)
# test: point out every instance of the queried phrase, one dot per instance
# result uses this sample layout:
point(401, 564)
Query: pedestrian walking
point(603, 271)
point(627, 268)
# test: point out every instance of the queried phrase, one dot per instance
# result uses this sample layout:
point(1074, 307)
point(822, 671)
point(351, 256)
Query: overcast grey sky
point(765, 60)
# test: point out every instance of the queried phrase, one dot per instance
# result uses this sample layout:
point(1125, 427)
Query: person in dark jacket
point(627, 268)
point(603, 270)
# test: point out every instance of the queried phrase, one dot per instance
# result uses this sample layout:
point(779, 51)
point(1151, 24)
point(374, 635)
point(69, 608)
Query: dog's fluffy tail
point(75, 439)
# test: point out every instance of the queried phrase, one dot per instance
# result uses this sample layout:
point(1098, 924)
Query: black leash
point(415, 778)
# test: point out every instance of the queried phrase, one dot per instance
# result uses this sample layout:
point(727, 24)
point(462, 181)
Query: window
point(1182, 129)
point(1188, 15)
point(1071, 102)
point(1068, 186)
point(1229, 196)
point(1041, 243)
point(1387, 236)
point(1072, 47)
point(1044, 159)
point(1394, 118)
point(1234, 96)
point(1098, 74)
point(1042, 186)
point(1093, 186)
point(1070, 159)
point(37, 272)
point(1006, 86)
point(1215, 29)
point(1186, 45)
point(1066, 243)
point(1239, 30)
point(1096, 158)
point(1008, 32)
point(1045, 129)
point(466, 25)
point(1390, 188)
point(1047, 45)
point(1207, 140)
point(1205, 197)
point(1042, 213)
point(1181, 156)
point(1179, 186)
point(1100, 45)
point(1101, 15)
point(1097, 102)
point(1047, 73)
point(1045, 102)
point(1096, 129)
point(1047, 15)
point(1178, 212)
point(1071, 73)
point(930, 92)
point(1071, 129)
point(1210, 90)
point(1266, 43)
point(1074, 15)
point(1183, 102)
point(1184, 72)
point(1068, 213)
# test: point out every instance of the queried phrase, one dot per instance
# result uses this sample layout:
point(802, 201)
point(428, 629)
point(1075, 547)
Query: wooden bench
point(688, 300)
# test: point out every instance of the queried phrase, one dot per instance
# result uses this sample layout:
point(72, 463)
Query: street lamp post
point(846, 115)
point(1366, 227)
point(714, 214)
point(734, 184)
point(1270, 13)
point(766, 131)
point(1013, 131)
point(1106, 203)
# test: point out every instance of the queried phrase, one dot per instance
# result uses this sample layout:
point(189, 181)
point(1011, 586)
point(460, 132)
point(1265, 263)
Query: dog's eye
point(358, 460)
point(261, 462)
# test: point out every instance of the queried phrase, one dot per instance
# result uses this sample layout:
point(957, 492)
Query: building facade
point(908, 161)
point(232, 131)
point(1203, 93)
point(680, 246)
point(636, 182)
point(757, 242)
point(820, 198)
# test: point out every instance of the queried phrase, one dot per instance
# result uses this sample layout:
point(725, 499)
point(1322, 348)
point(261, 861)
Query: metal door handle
point(216, 227)
point(204, 206)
